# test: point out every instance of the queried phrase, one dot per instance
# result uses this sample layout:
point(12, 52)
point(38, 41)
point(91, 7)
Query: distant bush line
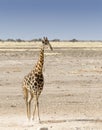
point(54, 40)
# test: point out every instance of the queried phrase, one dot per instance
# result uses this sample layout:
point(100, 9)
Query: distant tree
point(10, 40)
point(35, 40)
point(73, 40)
point(56, 40)
point(39, 39)
point(1, 40)
point(19, 40)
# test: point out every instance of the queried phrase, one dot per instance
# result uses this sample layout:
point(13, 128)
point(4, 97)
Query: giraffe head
point(46, 43)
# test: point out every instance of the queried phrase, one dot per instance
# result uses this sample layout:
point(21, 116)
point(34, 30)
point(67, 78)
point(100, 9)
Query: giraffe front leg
point(36, 107)
point(38, 110)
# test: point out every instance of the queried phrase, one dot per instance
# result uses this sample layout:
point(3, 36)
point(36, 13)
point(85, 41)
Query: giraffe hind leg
point(29, 105)
point(36, 107)
point(25, 92)
point(38, 110)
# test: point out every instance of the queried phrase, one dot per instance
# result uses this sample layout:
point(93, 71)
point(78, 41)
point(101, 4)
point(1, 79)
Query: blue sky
point(62, 19)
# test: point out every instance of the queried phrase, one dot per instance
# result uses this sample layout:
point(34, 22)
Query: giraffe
point(33, 82)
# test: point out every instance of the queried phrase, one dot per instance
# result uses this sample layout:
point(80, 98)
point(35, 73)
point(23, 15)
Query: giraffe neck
point(39, 65)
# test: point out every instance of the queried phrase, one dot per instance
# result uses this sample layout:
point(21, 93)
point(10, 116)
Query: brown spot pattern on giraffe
point(34, 82)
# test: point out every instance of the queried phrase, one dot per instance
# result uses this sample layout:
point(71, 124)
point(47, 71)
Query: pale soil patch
point(13, 122)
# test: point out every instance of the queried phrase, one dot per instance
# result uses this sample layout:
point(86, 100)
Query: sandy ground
point(72, 95)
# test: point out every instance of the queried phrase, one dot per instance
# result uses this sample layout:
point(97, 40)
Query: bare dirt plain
point(72, 95)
